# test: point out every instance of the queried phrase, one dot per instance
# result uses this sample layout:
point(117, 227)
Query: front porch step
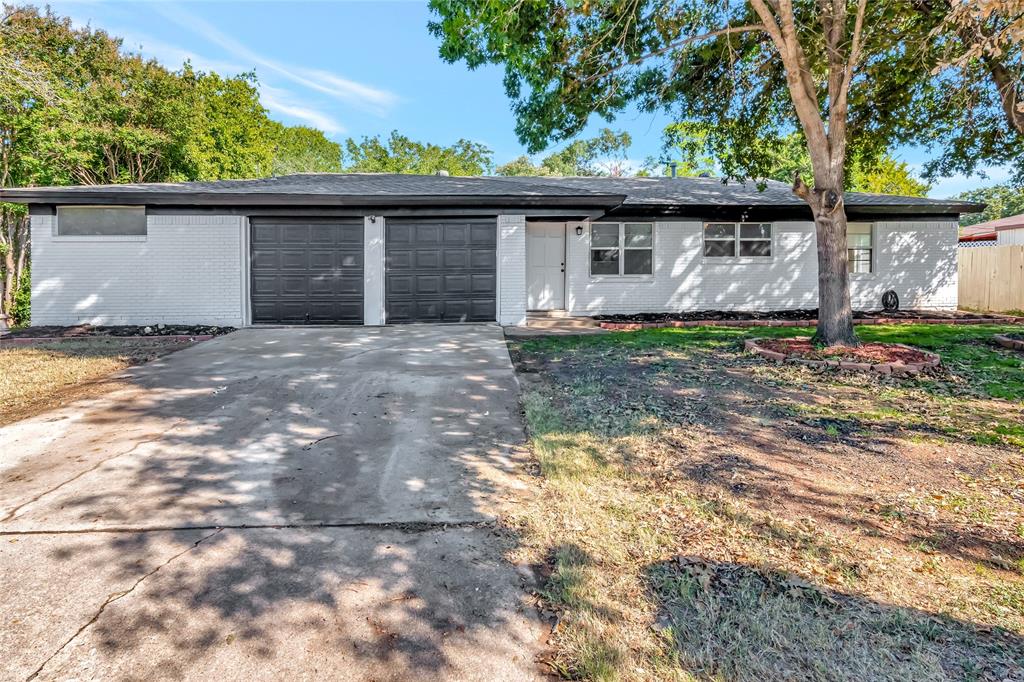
point(544, 321)
point(560, 314)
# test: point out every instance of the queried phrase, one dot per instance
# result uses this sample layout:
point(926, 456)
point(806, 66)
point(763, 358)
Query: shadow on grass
point(733, 621)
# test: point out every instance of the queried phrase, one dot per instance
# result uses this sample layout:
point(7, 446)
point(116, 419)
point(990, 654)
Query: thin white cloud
point(282, 101)
point(353, 93)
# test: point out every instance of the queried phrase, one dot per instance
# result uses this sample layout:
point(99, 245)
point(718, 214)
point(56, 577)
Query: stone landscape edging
point(29, 340)
point(1008, 342)
point(635, 326)
point(898, 368)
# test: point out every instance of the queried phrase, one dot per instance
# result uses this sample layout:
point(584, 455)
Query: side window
point(756, 240)
point(719, 240)
point(105, 221)
point(622, 249)
point(638, 242)
point(604, 249)
point(860, 247)
point(746, 240)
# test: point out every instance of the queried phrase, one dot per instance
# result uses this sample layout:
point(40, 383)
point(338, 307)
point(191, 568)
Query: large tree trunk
point(835, 314)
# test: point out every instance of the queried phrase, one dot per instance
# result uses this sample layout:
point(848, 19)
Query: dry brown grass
point(704, 515)
point(39, 377)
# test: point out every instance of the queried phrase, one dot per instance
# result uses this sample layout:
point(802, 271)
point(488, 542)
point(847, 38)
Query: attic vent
point(442, 173)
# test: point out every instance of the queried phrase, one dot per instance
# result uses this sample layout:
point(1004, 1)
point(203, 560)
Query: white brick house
point(376, 249)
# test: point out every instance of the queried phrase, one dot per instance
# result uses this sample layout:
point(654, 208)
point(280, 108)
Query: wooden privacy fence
point(992, 278)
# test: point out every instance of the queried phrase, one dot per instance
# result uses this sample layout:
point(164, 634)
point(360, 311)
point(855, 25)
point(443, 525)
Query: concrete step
point(559, 314)
point(560, 322)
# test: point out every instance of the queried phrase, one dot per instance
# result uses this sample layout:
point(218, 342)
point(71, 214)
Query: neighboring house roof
point(372, 189)
point(1013, 222)
point(977, 233)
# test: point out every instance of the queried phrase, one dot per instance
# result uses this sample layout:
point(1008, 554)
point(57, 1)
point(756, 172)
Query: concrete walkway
point(305, 503)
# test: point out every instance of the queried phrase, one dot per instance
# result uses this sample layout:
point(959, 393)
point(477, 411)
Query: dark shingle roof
point(381, 189)
point(665, 191)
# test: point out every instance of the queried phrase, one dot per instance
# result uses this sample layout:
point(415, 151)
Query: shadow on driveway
point(277, 502)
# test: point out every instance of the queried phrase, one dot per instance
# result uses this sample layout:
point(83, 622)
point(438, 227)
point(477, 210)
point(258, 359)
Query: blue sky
point(358, 68)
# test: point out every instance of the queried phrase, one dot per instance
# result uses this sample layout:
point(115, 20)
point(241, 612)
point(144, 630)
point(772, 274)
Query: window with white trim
point(101, 221)
point(860, 247)
point(622, 249)
point(745, 240)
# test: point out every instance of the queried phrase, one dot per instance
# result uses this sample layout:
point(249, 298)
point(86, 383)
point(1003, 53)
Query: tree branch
point(749, 28)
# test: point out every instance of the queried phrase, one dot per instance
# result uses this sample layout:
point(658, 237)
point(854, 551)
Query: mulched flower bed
point(866, 352)
point(884, 358)
point(802, 314)
point(88, 330)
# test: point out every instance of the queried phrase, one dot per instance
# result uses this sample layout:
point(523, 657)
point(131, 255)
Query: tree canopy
point(1001, 201)
point(300, 149)
point(688, 146)
point(604, 154)
point(400, 154)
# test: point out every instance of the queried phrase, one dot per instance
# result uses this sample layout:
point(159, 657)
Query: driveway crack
point(113, 597)
point(14, 512)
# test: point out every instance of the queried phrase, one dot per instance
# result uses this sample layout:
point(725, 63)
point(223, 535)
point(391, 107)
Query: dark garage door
point(307, 271)
point(441, 270)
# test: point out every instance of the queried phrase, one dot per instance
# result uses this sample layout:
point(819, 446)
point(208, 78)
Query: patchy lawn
point(706, 514)
point(40, 377)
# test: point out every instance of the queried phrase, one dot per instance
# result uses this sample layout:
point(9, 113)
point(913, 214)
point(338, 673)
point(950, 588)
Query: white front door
point(545, 266)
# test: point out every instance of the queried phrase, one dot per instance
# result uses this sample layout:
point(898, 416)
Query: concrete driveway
point(276, 503)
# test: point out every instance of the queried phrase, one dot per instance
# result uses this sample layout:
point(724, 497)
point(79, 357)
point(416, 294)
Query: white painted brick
point(187, 270)
point(917, 259)
point(512, 269)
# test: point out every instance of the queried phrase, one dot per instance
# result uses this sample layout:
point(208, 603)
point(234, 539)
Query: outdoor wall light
point(579, 230)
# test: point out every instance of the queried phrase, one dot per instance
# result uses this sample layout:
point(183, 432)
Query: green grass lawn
point(706, 514)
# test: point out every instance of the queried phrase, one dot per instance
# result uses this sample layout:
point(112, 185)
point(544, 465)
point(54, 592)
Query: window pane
point(719, 231)
point(858, 228)
point(756, 231)
point(604, 234)
point(101, 220)
point(604, 261)
point(639, 234)
point(855, 241)
point(638, 262)
point(719, 249)
point(859, 260)
point(759, 248)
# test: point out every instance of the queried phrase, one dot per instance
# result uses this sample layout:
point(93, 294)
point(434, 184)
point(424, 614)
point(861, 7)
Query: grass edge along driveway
point(705, 514)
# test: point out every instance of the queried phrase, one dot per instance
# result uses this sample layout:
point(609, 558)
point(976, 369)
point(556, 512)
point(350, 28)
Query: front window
point(622, 249)
point(101, 221)
point(746, 240)
point(859, 247)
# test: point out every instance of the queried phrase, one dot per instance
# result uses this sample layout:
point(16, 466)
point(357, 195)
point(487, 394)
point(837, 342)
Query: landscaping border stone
point(33, 340)
point(634, 326)
point(898, 368)
point(1009, 342)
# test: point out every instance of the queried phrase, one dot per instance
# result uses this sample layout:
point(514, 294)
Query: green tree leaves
point(1002, 201)
point(400, 154)
point(604, 154)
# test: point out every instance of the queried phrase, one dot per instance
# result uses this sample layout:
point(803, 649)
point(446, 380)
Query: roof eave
point(52, 198)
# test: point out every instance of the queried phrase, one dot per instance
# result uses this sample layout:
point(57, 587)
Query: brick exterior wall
point(917, 259)
point(186, 270)
point(512, 269)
